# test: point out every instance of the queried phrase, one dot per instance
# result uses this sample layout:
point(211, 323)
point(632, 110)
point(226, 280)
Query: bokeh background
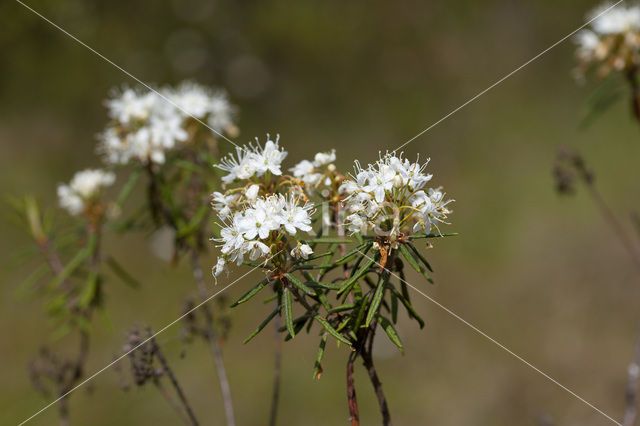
point(540, 273)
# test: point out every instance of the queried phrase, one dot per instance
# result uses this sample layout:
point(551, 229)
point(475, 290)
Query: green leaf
point(421, 257)
point(601, 99)
point(128, 187)
point(391, 332)
point(351, 253)
point(341, 308)
point(317, 256)
point(263, 324)
point(407, 304)
point(360, 315)
point(331, 330)
point(413, 262)
point(35, 276)
point(248, 295)
point(394, 308)
point(90, 291)
point(320, 284)
point(288, 314)
point(126, 277)
point(300, 285)
point(71, 267)
point(377, 298)
point(421, 236)
point(346, 286)
point(317, 368)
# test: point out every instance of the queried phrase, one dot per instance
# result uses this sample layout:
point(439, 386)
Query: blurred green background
point(540, 273)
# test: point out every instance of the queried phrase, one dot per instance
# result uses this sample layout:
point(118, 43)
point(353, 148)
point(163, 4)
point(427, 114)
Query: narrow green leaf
point(320, 284)
point(394, 308)
point(317, 368)
point(391, 332)
point(421, 257)
point(90, 291)
point(300, 285)
point(361, 311)
point(407, 304)
point(421, 236)
point(71, 267)
point(413, 262)
point(35, 276)
point(377, 298)
point(346, 286)
point(288, 315)
point(248, 295)
point(128, 187)
point(331, 330)
point(351, 253)
point(262, 325)
point(126, 277)
point(342, 308)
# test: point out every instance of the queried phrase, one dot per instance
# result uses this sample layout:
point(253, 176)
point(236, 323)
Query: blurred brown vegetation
point(540, 273)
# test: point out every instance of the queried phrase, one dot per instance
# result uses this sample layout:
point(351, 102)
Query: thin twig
point(167, 396)
point(277, 368)
point(216, 350)
point(351, 391)
point(367, 359)
point(167, 370)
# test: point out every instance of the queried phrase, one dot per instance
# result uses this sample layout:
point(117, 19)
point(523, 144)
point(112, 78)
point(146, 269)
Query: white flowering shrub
point(171, 138)
point(612, 41)
point(610, 48)
point(332, 247)
point(344, 274)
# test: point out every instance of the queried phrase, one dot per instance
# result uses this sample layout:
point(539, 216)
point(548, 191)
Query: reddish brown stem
point(351, 391)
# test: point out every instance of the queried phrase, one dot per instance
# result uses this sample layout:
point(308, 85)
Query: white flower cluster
point(613, 39)
point(84, 187)
point(251, 231)
point(253, 161)
point(390, 195)
point(311, 172)
point(146, 125)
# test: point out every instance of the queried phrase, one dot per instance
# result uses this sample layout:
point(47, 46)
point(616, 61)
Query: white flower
point(588, 43)
point(253, 160)
point(255, 249)
point(301, 251)
point(388, 195)
point(252, 192)
point(222, 204)
point(269, 158)
point(323, 158)
point(616, 20)
point(255, 221)
point(149, 124)
point(302, 169)
point(85, 186)
point(294, 216)
point(220, 267)
point(231, 235)
point(380, 181)
point(131, 105)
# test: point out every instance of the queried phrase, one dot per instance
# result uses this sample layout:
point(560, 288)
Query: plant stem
point(216, 350)
point(165, 366)
point(635, 93)
point(167, 396)
point(367, 359)
point(277, 368)
point(351, 391)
